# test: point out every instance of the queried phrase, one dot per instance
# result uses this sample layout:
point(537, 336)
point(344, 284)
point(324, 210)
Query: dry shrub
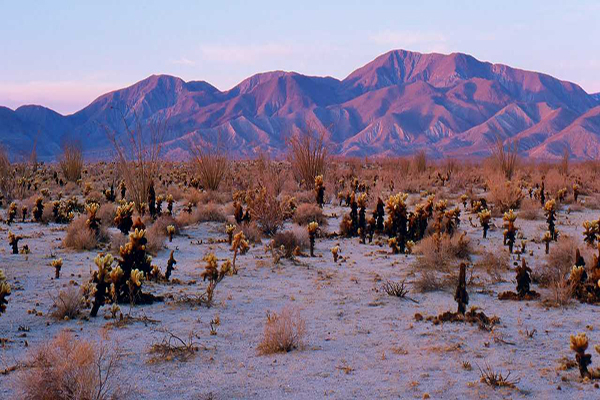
point(107, 213)
point(505, 195)
point(252, 232)
point(67, 368)
point(306, 213)
point(283, 332)
point(307, 153)
point(266, 210)
point(530, 209)
point(442, 254)
point(116, 241)
point(209, 212)
point(290, 241)
point(561, 292)
point(559, 261)
point(67, 303)
point(555, 181)
point(156, 234)
point(494, 264)
point(505, 157)
point(71, 161)
point(305, 196)
point(420, 161)
point(79, 236)
point(7, 181)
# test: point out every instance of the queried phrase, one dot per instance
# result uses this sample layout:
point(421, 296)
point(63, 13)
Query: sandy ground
point(361, 343)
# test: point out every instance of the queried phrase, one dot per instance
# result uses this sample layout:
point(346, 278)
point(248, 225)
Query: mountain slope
point(399, 103)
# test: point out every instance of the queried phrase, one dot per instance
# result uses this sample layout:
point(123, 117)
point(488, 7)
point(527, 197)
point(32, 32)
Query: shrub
point(420, 161)
point(505, 156)
point(252, 232)
point(291, 241)
point(505, 195)
point(266, 210)
point(530, 210)
point(494, 263)
point(306, 213)
point(80, 236)
point(211, 164)
point(283, 332)
point(67, 303)
point(439, 252)
point(307, 153)
point(68, 368)
point(107, 214)
point(559, 262)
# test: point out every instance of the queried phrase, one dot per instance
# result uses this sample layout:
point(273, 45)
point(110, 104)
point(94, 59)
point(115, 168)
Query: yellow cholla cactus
point(115, 275)
point(510, 216)
point(579, 342)
point(57, 263)
point(312, 227)
point(240, 243)
point(170, 230)
point(136, 277)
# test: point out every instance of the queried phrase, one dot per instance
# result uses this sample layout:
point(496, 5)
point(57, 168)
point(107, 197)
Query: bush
point(307, 154)
point(67, 303)
point(107, 213)
point(530, 210)
point(156, 234)
point(211, 164)
point(559, 261)
point(71, 161)
point(69, 368)
point(283, 332)
point(252, 232)
point(306, 213)
point(79, 236)
point(266, 210)
point(505, 195)
point(291, 240)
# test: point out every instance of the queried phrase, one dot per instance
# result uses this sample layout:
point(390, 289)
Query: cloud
point(407, 38)
point(245, 53)
point(183, 61)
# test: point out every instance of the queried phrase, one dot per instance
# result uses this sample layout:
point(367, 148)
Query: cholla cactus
point(238, 245)
point(152, 201)
point(362, 221)
point(575, 192)
point(561, 194)
point(320, 190)
point(214, 275)
point(170, 265)
point(123, 218)
point(409, 246)
point(550, 211)
point(4, 292)
point(547, 238)
point(38, 209)
point(159, 202)
point(464, 198)
point(57, 265)
point(379, 214)
point(23, 213)
point(312, 234)
point(87, 189)
point(510, 230)
point(170, 232)
point(93, 222)
point(135, 283)
point(12, 213)
point(393, 243)
point(397, 220)
point(579, 344)
point(452, 220)
point(13, 241)
point(101, 278)
point(123, 190)
point(335, 251)
point(229, 229)
point(170, 202)
point(485, 216)
point(461, 296)
point(591, 231)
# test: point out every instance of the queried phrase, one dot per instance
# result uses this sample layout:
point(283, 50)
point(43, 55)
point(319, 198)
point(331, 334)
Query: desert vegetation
point(206, 265)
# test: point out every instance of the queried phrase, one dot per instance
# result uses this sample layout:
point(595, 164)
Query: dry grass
point(558, 263)
point(71, 161)
point(505, 195)
point(156, 234)
point(306, 213)
point(107, 213)
point(67, 304)
point(530, 209)
point(212, 164)
point(66, 368)
point(291, 241)
point(505, 157)
point(494, 263)
point(420, 161)
point(283, 332)
point(442, 255)
point(79, 236)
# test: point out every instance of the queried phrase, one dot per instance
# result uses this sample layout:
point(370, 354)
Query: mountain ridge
point(399, 103)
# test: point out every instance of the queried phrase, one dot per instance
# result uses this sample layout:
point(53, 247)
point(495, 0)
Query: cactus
point(152, 201)
point(485, 216)
point(397, 221)
point(335, 251)
point(101, 279)
point(12, 213)
point(524, 291)
point(591, 231)
point(379, 214)
point(464, 198)
point(510, 230)
point(123, 218)
point(579, 344)
point(170, 202)
point(362, 222)
point(38, 209)
point(461, 296)
point(13, 241)
point(93, 222)
point(320, 190)
point(170, 232)
point(57, 265)
point(159, 203)
point(214, 274)
point(312, 233)
point(4, 292)
point(229, 229)
point(547, 238)
point(170, 265)
point(238, 245)
point(575, 192)
point(123, 190)
point(550, 211)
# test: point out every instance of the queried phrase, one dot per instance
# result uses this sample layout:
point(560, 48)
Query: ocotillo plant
point(550, 211)
point(57, 265)
point(13, 241)
point(4, 292)
point(320, 190)
point(510, 230)
point(461, 296)
point(38, 209)
point(312, 234)
point(485, 216)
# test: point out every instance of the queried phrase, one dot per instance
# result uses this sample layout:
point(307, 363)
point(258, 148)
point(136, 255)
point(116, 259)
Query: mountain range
point(449, 105)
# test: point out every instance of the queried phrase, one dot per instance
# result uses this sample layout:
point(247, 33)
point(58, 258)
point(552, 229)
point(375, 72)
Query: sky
point(64, 54)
